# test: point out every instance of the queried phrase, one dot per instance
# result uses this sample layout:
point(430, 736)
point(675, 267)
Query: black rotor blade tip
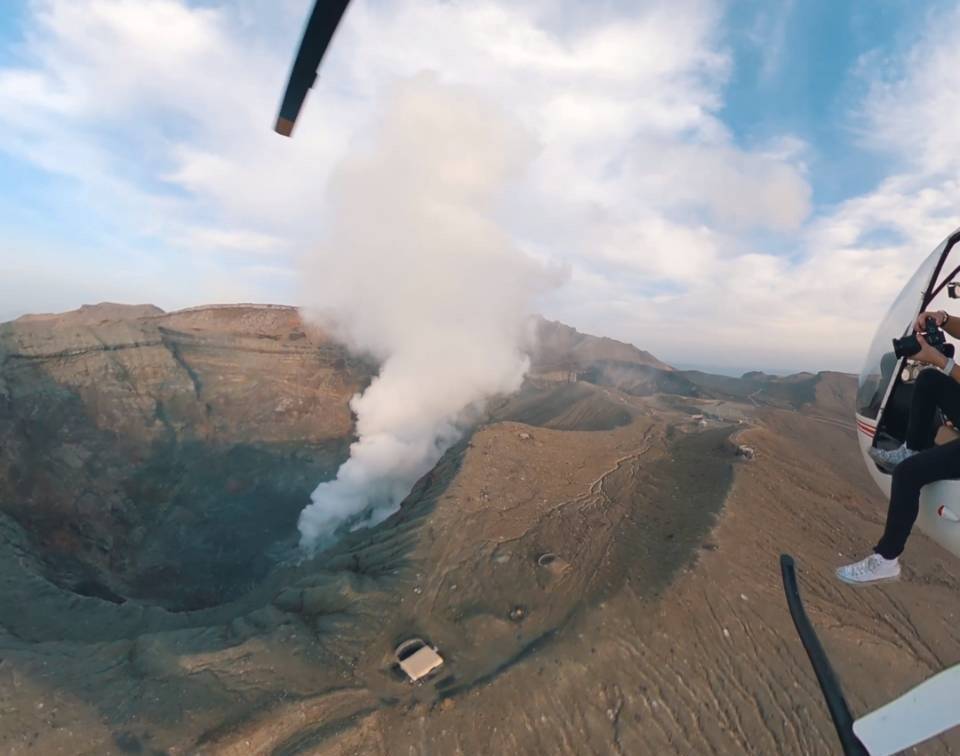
point(284, 126)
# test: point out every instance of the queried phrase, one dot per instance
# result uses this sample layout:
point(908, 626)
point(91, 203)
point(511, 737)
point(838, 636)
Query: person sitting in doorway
point(917, 461)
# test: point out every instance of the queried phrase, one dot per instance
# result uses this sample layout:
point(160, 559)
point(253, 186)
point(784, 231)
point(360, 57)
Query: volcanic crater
point(594, 563)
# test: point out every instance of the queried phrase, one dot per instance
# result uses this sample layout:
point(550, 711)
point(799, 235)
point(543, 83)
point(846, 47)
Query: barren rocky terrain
point(595, 565)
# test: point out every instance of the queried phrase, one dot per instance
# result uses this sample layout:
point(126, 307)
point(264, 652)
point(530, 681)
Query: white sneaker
point(890, 458)
point(873, 569)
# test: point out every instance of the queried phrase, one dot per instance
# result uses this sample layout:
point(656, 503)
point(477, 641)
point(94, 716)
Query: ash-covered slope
point(760, 389)
point(562, 349)
point(158, 456)
point(563, 353)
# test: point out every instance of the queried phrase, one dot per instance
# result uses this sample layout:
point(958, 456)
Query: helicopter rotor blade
point(829, 685)
point(323, 22)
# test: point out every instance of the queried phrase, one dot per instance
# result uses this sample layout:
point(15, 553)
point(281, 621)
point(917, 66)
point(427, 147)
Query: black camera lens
point(906, 346)
point(909, 345)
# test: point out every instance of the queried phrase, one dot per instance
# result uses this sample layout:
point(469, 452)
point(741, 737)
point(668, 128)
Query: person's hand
point(928, 355)
point(940, 316)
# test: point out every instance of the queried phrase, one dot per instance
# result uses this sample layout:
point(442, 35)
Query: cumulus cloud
point(732, 297)
point(914, 101)
point(159, 113)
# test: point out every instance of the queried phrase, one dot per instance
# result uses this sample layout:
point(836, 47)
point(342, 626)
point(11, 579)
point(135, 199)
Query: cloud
point(769, 35)
point(230, 240)
point(733, 298)
point(678, 237)
point(914, 101)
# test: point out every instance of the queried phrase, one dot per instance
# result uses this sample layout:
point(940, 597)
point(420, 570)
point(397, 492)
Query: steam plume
point(416, 272)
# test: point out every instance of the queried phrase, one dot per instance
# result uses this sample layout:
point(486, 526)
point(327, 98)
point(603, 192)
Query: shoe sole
point(848, 581)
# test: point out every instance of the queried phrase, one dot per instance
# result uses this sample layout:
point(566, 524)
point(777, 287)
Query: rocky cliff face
point(159, 456)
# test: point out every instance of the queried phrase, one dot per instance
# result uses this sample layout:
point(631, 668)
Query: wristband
point(948, 368)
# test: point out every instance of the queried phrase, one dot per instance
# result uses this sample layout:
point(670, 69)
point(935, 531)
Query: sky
point(732, 184)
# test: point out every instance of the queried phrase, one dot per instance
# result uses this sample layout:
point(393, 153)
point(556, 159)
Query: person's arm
point(940, 362)
point(930, 356)
point(949, 323)
point(952, 326)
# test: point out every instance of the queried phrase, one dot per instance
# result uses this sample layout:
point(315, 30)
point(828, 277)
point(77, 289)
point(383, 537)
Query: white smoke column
point(416, 272)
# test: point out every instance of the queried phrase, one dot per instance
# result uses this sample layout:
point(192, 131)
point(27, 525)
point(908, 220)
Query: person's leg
point(949, 398)
point(932, 389)
point(938, 463)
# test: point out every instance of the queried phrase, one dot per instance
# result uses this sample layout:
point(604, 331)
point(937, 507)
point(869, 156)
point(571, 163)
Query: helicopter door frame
point(927, 295)
point(952, 241)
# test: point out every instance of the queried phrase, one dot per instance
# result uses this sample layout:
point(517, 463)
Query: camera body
point(909, 345)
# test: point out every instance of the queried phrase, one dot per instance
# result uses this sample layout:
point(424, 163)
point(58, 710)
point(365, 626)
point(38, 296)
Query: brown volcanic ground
point(660, 626)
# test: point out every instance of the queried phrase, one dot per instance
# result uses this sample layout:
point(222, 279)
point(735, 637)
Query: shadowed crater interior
point(165, 458)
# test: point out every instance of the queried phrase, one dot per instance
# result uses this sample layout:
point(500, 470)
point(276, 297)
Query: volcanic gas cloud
point(416, 272)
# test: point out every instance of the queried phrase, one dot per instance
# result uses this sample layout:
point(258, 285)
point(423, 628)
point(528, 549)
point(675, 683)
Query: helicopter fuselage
point(887, 383)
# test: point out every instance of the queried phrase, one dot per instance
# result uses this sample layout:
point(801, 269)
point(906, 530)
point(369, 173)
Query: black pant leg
point(933, 389)
point(937, 463)
point(949, 398)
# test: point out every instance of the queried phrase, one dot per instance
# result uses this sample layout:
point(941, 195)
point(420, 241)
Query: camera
point(910, 345)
